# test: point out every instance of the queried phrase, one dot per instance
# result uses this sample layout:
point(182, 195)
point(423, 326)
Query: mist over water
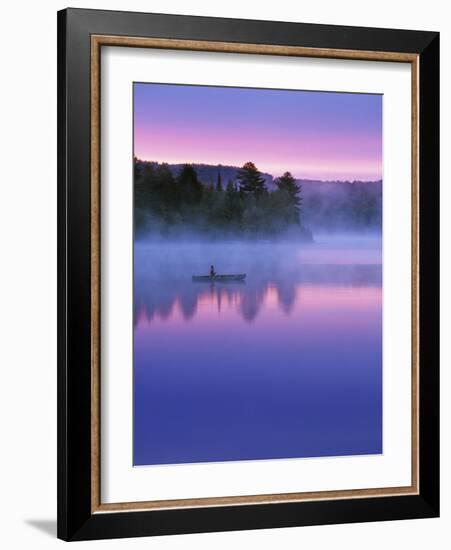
point(163, 271)
point(285, 364)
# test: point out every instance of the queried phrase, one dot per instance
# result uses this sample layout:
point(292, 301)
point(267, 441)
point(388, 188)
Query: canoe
point(219, 278)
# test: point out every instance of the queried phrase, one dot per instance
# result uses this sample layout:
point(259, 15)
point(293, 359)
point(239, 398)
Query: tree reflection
point(161, 296)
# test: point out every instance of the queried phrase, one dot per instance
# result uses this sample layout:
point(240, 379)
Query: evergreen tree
point(232, 204)
point(164, 194)
point(144, 181)
point(290, 190)
point(230, 188)
point(251, 182)
point(219, 183)
point(136, 169)
point(162, 201)
point(288, 183)
point(190, 187)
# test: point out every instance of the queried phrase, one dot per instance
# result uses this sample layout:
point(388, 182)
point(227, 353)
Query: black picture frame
point(75, 518)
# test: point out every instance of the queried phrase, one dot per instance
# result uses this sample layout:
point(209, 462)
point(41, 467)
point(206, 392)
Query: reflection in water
point(163, 277)
point(285, 364)
point(246, 297)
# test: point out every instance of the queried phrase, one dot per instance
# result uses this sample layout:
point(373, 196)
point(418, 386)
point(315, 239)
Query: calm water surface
point(287, 364)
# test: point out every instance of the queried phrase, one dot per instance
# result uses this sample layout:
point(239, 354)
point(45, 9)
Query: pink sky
point(317, 135)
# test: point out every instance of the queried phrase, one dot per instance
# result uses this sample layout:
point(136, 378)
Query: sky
point(313, 135)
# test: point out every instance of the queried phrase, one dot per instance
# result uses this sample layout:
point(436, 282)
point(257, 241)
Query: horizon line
point(305, 178)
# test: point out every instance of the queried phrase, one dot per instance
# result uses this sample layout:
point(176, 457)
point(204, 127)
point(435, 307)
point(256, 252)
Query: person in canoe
point(212, 271)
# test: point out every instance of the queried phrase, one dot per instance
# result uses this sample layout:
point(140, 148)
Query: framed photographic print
point(248, 274)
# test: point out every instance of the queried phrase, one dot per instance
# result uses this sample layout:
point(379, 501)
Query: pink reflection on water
point(234, 305)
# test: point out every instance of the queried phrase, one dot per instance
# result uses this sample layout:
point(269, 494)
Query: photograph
point(257, 274)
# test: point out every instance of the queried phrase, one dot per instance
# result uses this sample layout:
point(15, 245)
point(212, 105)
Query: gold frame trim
point(97, 41)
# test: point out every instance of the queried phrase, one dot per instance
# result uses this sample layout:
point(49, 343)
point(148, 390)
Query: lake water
point(286, 364)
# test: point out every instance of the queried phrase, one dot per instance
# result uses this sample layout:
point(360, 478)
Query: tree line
point(343, 205)
point(243, 205)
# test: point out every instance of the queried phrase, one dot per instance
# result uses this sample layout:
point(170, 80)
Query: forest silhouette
point(243, 206)
point(226, 201)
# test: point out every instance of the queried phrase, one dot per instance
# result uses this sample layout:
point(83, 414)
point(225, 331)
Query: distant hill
point(342, 205)
point(208, 173)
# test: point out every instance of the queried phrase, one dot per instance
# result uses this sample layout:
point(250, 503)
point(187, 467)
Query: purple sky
point(318, 135)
